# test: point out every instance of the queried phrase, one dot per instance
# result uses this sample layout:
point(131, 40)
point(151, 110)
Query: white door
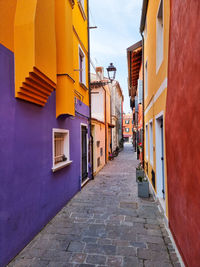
point(160, 171)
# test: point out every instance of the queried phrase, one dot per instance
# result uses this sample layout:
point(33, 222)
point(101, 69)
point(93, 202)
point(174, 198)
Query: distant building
point(128, 127)
point(106, 109)
point(117, 99)
point(135, 88)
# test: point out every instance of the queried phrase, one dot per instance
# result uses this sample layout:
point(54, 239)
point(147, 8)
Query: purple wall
point(30, 194)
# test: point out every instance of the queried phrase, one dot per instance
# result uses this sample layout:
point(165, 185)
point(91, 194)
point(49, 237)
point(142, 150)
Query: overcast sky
point(118, 28)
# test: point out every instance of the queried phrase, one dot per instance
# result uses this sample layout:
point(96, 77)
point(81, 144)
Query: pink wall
point(183, 128)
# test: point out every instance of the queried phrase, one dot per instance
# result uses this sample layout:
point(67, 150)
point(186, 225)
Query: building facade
point(155, 29)
point(128, 127)
point(44, 114)
point(182, 129)
point(117, 99)
point(135, 88)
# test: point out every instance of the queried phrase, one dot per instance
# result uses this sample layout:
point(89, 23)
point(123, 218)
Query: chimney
point(100, 73)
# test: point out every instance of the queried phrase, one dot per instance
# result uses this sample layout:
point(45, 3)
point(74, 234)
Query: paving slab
point(105, 224)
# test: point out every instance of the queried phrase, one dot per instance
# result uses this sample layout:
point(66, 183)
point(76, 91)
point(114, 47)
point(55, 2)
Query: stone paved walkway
point(106, 224)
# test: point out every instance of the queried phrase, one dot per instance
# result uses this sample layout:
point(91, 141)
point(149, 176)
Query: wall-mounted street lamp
point(111, 76)
point(111, 72)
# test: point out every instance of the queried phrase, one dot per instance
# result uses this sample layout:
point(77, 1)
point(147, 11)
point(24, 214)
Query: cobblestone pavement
point(105, 224)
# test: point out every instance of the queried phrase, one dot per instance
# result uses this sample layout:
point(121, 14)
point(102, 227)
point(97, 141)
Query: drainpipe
point(142, 98)
point(111, 118)
point(90, 115)
point(105, 119)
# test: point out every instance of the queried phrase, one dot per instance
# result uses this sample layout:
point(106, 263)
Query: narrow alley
point(105, 224)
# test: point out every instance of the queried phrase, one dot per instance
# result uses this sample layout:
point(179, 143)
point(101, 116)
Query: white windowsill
point(61, 165)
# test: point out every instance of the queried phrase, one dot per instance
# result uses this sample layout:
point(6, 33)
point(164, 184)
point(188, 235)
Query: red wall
point(183, 128)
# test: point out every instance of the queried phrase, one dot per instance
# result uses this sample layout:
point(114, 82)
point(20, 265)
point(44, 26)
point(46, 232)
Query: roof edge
point(143, 16)
point(134, 46)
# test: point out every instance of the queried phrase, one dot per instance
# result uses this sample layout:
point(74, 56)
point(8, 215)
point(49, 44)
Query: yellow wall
point(7, 16)
point(64, 44)
point(45, 36)
point(80, 39)
point(153, 104)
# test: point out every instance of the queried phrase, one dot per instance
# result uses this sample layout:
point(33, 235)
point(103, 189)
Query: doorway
point(160, 164)
point(84, 153)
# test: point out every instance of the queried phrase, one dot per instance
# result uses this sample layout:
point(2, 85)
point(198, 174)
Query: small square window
point(61, 155)
point(127, 130)
point(126, 121)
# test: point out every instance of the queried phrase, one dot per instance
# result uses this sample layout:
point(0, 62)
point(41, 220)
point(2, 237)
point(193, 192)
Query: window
point(98, 143)
point(146, 79)
point(98, 162)
point(127, 130)
point(151, 141)
point(82, 72)
point(126, 121)
point(145, 30)
point(101, 151)
point(159, 36)
point(81, 4)
point(61, 157)
point(146, 143)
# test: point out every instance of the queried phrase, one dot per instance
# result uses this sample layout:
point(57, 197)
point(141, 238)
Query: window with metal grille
point(61, 157)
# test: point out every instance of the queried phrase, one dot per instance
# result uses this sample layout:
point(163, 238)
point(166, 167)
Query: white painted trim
point(159, 62)
point(146, 75)
point(151, 159)
point(63, 164)
point(156, 96)
point(161, 114)
point(86, 125)
point(84, 64)
point(146, 141)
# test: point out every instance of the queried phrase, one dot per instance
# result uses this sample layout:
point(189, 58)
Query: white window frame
point(145, 29)
point(83, 70)
point(146, 78)
point(81, 4)
point(83, 124)
point(151, 141)
point(126, 130)
point(146, 142)
point(66, 148)
point(159, 35)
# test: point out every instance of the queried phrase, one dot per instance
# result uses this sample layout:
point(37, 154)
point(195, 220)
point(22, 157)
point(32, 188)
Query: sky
point(117, 24)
